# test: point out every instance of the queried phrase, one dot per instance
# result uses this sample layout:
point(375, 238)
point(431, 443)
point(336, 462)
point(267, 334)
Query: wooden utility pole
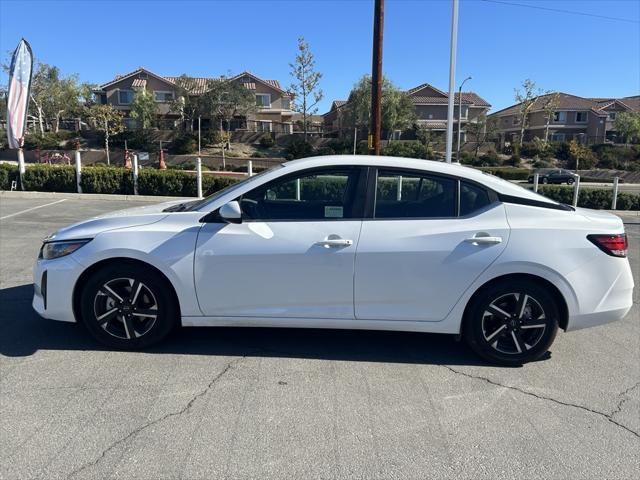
point(376, 77)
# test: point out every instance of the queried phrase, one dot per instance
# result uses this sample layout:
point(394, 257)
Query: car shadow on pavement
point(23, 332)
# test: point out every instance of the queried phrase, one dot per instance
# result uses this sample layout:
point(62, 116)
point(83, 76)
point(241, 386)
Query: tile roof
point(565, 102)
point(433, 125)
point(573, 102)
point(201, 83)
point(468, 98)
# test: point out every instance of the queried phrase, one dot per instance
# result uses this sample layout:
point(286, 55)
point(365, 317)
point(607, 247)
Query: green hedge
point(592, 198)
point(102, 179)
point(508, 173)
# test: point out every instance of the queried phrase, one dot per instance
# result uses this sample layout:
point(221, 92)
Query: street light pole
point(460, 116)
point(376, 77)
point(452, 79)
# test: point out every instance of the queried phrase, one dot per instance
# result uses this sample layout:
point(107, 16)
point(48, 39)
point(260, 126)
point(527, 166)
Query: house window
point(125, 97)
point(516, 120)
point(263, 99)
point(557, 137)
point(581, 117)
point(612, 116)
point(286, 104)
point(559, 117)
point(162, 96)
point(464, 111)
point(130, 123)
point(263, 126)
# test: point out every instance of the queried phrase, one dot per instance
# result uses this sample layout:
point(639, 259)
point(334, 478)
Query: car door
point(293, 253)
point(427, 239)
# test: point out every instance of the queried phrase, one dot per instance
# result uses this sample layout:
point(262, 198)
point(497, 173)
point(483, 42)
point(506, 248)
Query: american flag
point(18, 94)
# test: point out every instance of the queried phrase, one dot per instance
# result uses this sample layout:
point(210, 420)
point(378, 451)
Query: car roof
point(495, 183)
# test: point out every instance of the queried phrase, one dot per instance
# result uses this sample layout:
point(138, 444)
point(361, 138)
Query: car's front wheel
point(545, 180)
point(128, 306)
point(570, 181)
point(512, 323)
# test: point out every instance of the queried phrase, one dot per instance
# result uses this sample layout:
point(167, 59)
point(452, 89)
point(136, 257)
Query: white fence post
point(614, 200)
point(576, 190)
point(536, 178)
point(78, 171)
point(135, 174)
point(250, 168)
point(21, 167)
point(199, 176)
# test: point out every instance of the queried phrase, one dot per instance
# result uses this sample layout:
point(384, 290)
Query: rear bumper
point(602, 305)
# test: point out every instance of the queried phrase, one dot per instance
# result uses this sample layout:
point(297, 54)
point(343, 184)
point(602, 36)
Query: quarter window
point(409, 195)
point(319, 195)
point(472, 198)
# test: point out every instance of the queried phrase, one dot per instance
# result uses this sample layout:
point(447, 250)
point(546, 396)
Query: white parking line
point(32, 208)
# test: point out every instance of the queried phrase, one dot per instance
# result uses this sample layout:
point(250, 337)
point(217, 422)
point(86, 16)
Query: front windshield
point(196, 204)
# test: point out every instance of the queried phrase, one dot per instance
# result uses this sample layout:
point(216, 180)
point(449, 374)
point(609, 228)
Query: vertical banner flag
point(18, 94)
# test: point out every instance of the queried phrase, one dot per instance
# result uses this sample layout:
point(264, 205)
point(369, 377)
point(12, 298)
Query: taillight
point(615, 245)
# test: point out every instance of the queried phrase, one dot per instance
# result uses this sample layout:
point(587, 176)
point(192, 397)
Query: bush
point(258, 155)
point(508, 173)
point(467, 158)
point(106, 179)
point(298, 148)
point(410, 149)
point(8, 173)
point(184, 143)
point(267, 141)
point(515, 160)
point(50, 178)
point(48, 140)
point(592, 198)
point(617, 156)
point(490, 159)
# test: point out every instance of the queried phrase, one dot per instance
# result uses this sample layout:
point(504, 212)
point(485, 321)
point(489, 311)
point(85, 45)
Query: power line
point(559, 10)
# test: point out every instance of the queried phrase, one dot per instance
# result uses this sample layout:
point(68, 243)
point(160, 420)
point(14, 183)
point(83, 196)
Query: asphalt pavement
point(284, 403)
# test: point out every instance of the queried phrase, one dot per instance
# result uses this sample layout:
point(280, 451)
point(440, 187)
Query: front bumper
point(61, 277)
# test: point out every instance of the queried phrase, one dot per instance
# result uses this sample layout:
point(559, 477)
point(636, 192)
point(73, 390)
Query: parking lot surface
point(252, 403)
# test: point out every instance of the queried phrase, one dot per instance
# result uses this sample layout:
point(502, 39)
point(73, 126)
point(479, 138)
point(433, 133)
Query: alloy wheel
point(514, 323)
point(125, 308)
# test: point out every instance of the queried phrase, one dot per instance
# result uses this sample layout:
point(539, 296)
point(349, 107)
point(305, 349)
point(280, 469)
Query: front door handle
point(335, 242)
point(483, 239)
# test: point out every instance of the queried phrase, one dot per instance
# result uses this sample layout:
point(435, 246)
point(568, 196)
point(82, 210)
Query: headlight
point(51, 250)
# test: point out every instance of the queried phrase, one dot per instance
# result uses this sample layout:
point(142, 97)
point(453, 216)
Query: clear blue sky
point(499, 45)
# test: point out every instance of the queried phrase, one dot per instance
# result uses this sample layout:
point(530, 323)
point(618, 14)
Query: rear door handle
point(483, 239)
point(335, 242)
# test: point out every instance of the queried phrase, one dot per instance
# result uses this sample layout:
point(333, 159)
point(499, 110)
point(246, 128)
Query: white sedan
point(349, 242)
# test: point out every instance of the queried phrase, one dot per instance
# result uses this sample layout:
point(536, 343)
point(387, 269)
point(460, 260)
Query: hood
point(130, 217)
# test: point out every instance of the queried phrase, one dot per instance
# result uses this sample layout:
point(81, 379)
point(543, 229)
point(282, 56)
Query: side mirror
point(230, 212)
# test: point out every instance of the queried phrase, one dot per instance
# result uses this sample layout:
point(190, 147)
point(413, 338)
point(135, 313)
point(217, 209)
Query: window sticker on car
point(333, 212)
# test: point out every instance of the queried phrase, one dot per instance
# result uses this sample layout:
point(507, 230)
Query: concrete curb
point(91, 196)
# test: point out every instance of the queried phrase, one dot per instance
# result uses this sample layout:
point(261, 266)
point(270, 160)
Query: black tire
point(545, 180)
point(570, 181)
point(495, 334)
point(120, 298)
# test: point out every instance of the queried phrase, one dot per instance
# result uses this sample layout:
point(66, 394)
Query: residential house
point(588, 120)
point(273, 104)
point(430, 105)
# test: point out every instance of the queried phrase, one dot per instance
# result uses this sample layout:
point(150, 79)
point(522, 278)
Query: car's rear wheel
point(128, 306)
point(512, 323)
point(545, 180)
point(570, 181)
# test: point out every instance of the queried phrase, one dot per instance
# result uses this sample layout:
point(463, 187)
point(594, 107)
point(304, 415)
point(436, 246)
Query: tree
point(398, 112)
point(482, 130)
point(305, 89)
point(108, 120)
point(185, 102)
point(226, 99)
point(143, 108)
point(550, 103)
point(526, 98)
point(627, 125)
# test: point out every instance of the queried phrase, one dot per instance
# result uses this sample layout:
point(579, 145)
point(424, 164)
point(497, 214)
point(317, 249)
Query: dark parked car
point(555, 176)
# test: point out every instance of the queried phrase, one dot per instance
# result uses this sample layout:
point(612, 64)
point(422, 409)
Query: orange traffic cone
point(162, 165)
